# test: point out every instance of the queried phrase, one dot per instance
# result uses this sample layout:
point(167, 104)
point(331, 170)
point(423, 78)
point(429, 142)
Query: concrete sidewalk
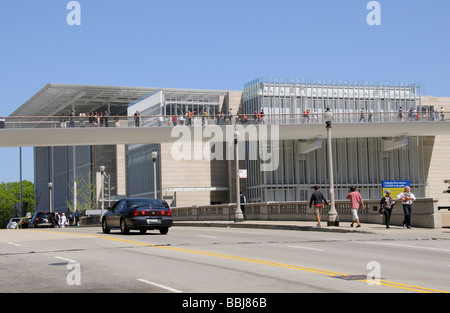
point(344, 227)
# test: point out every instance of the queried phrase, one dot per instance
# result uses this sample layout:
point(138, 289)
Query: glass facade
point(169, 103)
point(360, 162)
point(288, 101)
point(141, 171)
point(56, 165)
point(180, 104)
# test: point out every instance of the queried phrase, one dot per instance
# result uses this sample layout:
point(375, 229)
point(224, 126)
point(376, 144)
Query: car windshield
point(137, 203)
point(45, 215)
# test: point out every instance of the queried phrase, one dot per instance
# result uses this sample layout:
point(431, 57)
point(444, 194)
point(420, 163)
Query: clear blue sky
point(213, 44)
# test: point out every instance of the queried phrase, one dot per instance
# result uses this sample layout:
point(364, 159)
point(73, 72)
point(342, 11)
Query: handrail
point(426, 211)
point(25, 122)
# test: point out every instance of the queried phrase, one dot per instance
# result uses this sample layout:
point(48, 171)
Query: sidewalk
point(344, 227)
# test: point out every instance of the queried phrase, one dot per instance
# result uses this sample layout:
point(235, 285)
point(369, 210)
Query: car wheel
point(164, 231)
point(105, 228)
point(123, 227)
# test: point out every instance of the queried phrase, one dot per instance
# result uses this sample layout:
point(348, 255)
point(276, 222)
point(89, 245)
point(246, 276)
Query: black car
point(138, 214)
point(42, 220)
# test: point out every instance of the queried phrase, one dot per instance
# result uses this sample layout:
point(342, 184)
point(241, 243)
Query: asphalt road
point(199, 260)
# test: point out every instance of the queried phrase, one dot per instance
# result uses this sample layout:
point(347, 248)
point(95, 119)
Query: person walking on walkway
point(387, 204)
point(362, 117)
point(137, 119)
point(63, 220)
point(243, 201)
point(400, 114)
point(407, 198)
point(355, 201)
point(77, 218)
point(318, 199)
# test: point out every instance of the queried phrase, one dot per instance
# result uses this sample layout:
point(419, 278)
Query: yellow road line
point(237, 258)
point(404, 286)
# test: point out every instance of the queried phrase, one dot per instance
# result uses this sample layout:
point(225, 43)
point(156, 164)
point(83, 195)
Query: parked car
point(24, 222)
point(42, 220)
point(13, 223)
point(138, 214)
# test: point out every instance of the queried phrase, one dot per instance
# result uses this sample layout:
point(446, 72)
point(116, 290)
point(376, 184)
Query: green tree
point(10, 194)
point(85, 195)
point(447, 181)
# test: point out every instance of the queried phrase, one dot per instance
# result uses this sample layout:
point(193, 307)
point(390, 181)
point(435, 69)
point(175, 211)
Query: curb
point(269, 226)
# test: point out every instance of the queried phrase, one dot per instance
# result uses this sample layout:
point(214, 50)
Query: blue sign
point(396, 183)
point(395, 186)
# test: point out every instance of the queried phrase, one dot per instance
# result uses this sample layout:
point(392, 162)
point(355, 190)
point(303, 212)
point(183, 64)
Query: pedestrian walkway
point(344, 227)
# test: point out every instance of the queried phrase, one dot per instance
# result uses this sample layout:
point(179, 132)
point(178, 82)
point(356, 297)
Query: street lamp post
point(238, 217)
point(154, 157)
point(333, 217)
point(102, 171)
point(50, 186)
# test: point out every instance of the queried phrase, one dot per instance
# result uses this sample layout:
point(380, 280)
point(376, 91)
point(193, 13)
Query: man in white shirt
point(82, 116)
point(407, 198)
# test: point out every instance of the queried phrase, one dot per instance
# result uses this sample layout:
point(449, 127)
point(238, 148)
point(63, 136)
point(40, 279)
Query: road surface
point(199, 260)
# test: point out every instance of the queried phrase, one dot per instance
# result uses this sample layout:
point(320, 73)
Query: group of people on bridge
point(191, 118)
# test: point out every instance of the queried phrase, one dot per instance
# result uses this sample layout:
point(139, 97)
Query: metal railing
point(426, 212)
point(28, 122)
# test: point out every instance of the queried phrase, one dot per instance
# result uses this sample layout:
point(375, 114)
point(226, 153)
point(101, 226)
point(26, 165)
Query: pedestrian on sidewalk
point(57, 220)
point(355, 201)
point(318, 198)
point(77, 218)
point(387, 204)
point(407, 198)
point(63, 220)
point(243, 201)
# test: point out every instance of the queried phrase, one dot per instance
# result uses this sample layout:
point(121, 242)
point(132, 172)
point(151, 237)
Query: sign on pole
point(395, 187)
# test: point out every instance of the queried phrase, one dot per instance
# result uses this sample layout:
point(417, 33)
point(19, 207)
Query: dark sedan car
point(138, 214)
point(42, 220)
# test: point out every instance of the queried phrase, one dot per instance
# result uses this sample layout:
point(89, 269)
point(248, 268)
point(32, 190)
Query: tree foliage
point(447, 181)
point(10, 195)
point(85, 195)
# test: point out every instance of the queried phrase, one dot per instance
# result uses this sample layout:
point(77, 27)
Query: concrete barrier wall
point(445, 216)
point(425, 212)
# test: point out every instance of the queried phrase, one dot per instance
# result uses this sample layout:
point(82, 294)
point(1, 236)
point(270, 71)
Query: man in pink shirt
point(355, 200)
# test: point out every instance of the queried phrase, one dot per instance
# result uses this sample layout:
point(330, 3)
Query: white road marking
point(205, 236)
point(159, 286)
point(306, 248)
point(64, 259)
point(14, 244)
point(406, 246)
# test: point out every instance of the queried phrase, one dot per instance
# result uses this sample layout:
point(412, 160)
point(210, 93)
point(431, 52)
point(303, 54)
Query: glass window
point(137, 203)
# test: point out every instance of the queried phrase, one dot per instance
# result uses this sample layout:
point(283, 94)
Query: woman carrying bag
point(387, 204)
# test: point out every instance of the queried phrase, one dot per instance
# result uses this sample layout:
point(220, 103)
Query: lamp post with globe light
point(102, 172)
point(239, 216)
point(154, 158)
point(50, 187)
point(333, 217)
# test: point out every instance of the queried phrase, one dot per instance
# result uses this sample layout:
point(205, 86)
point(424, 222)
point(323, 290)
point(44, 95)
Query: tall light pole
point(238, 216)
point(154, 158)
point(102, 171)
point(50, 186)
point(333, 217)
